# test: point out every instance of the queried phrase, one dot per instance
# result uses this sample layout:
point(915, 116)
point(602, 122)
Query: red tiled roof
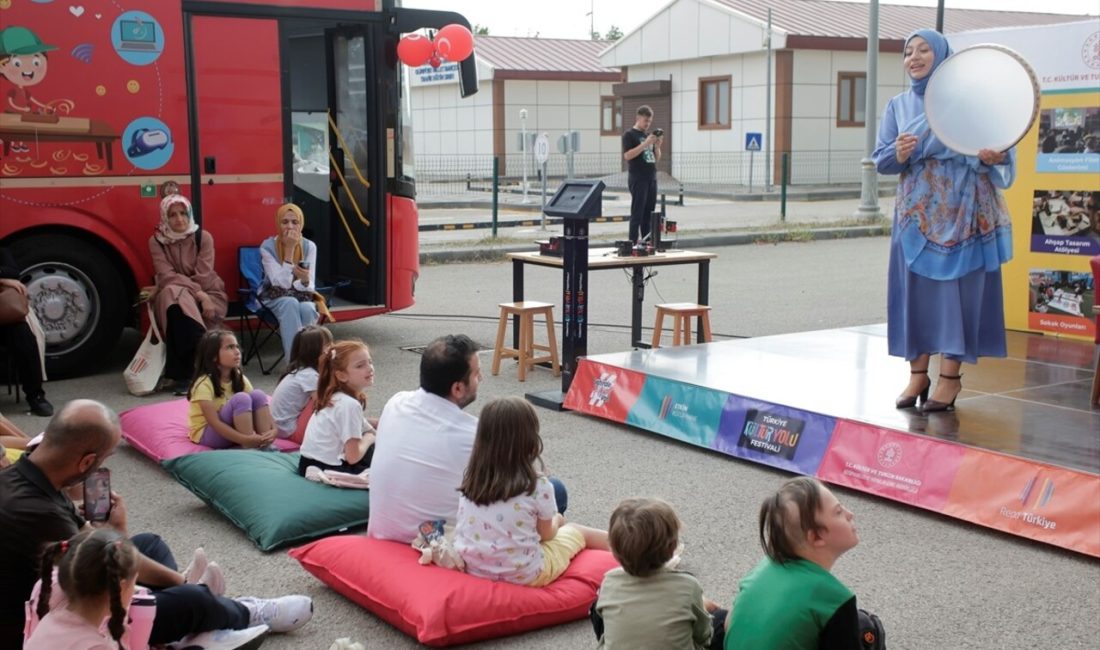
point(520, 57)
point(822, 18)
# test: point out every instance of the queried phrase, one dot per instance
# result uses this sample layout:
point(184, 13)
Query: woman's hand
point(208, 311)
point(990, 157)
point(904, 146)
point(301, 275)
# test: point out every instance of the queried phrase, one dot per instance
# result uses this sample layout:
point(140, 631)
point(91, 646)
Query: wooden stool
point(526, 311)
point(681, 313)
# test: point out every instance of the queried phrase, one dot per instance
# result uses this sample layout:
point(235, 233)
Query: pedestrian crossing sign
point(753, 141)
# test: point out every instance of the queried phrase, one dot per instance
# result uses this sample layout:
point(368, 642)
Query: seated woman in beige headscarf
point(189, 297)
point(289, 261)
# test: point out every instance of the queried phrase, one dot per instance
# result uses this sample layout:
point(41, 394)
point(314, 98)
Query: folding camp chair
point(256, 320)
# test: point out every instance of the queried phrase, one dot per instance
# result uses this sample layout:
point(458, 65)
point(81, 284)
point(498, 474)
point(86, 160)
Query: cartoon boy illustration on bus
point(23, 62)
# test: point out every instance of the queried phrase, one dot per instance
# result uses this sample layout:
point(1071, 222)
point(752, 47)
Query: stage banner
point(608, 392)
point(1049, 504)
point(681, 411)
point(913, 469)
point(1055, 199)
point(770, 434)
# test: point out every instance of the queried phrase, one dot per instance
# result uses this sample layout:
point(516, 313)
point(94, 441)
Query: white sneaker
point(246, 639)
point(193, 573)
point(214, 579)
point(282, 614)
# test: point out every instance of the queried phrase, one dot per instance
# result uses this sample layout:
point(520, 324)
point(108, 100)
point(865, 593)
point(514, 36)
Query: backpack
point(872, 636)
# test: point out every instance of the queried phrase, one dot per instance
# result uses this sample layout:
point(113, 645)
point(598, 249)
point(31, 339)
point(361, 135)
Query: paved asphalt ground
point(937, 583)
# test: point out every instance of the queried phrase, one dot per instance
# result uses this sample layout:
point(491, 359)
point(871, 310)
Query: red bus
point(246, 105)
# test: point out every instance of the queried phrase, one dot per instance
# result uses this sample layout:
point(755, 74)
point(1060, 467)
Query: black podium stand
point(576, 202)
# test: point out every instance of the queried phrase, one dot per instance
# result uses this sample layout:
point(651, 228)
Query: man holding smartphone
point(641, 151)
point(35, 510)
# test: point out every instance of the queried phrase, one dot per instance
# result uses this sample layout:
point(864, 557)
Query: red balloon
point(435, 61)
point(454, 43)
point(415, 50)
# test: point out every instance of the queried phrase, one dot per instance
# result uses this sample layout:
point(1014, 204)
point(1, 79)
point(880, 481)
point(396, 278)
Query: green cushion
point(263, 495)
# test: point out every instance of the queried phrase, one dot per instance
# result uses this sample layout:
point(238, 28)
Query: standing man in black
point(641, 153)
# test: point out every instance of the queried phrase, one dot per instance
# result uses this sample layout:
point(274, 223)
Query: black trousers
point(350, 468)
point(21, 346)
point(643, 200)
point(717, 639)
point(186, 609)
point(181, 340)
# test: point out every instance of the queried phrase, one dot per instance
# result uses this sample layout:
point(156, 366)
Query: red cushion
point(442, 607)
point(303, 421)
point(160, 431)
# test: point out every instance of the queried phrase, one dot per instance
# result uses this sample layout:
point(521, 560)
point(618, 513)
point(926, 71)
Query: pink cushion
point(442, 607)
point(160, 431)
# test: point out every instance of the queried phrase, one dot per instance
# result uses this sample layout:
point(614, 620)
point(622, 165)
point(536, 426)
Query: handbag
point(13, 305)
point(143, 373)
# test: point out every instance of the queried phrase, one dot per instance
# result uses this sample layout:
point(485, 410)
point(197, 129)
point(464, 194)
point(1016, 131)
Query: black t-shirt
point(644, 165)
point(32, 514)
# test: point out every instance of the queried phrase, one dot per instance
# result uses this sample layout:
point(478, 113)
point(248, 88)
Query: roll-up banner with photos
point(1055, 201)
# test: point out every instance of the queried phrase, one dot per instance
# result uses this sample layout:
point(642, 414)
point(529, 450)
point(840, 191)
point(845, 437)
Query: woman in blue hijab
point(951, 234)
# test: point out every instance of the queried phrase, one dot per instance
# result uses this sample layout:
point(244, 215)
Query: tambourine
point(983, 97)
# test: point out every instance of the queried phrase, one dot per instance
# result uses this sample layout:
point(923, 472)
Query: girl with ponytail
point(97, 571)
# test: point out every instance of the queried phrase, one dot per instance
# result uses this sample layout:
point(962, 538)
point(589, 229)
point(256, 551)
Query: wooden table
point(605, 258)
point(65, 130)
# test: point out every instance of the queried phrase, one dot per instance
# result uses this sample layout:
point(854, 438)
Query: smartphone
point(97, 495)
point(303, 264)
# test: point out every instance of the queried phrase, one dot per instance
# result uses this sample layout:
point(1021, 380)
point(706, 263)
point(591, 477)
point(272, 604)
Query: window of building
point(714, 102)
point(611, 115)
point(851, 98)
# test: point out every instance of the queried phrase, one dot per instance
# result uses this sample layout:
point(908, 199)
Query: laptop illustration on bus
point(137, 36)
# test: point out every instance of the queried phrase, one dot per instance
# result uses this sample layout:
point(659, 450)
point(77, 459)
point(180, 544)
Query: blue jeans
point(293, 315)
point(561, 495)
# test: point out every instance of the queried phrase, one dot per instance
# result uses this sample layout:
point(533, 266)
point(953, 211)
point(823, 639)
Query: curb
point(497, 254)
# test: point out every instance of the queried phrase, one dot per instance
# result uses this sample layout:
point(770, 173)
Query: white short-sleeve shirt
point(332, 427)
point(424, 443)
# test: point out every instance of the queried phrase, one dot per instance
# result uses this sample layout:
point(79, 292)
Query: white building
point(560, 83)
point(702, 65)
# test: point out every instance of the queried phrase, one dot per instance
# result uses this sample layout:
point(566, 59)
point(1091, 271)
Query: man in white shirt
point(424, 442)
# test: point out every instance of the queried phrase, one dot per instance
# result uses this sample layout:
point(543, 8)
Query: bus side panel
point(404, 251)
point(240, 133)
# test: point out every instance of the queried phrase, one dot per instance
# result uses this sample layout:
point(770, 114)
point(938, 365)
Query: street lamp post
point(523, 145)
point(868, 195)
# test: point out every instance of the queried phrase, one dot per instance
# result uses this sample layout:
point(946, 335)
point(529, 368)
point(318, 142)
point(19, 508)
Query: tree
point(613, 34)
point(481, 30)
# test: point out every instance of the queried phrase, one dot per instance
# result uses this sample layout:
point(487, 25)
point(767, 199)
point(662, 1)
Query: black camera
point(658, 132)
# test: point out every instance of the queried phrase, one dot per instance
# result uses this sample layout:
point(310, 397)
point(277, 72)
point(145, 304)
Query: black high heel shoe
point(932, 406)
point(907, 401)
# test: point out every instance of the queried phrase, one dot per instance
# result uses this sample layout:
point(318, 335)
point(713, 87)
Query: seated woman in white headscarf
point(190, 296)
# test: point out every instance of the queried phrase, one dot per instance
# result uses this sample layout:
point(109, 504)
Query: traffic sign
point(542, 148)
point(754, 141)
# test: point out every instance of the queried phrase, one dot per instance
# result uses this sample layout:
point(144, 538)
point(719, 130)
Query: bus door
point(237, 130)
point(336, 172)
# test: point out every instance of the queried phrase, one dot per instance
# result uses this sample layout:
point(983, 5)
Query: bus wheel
point(79, 297)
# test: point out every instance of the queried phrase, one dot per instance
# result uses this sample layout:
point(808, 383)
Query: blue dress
point(951, 234)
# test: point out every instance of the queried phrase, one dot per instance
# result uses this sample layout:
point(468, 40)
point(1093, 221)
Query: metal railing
point(440, 176)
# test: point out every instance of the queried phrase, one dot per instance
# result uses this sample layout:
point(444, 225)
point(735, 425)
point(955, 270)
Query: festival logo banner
point(678, 410)
point(604, 391)
point(775, 435)
point(908, 468)
point(1051, 504)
